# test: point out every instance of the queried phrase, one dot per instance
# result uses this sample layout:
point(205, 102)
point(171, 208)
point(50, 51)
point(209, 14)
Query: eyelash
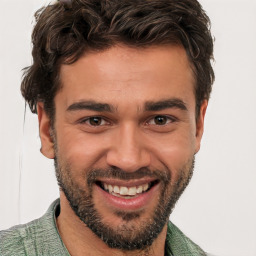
point(168, 119)
point(88, 119)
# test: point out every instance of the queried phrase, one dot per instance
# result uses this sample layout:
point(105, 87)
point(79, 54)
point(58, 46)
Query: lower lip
point(137, 203)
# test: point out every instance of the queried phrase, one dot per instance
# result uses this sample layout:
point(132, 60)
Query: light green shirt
point(41, 237)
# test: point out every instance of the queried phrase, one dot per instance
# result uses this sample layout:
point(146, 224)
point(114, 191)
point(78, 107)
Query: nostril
point(129, 161)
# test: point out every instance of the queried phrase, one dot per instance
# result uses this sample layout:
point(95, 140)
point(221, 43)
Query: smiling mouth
point(126, 192)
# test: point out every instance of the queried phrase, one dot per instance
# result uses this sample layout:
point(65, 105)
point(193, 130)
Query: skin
point(128, 138)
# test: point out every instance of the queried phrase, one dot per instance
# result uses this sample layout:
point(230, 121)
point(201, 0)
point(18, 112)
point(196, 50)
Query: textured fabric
point(41, 237)
point(177, 244)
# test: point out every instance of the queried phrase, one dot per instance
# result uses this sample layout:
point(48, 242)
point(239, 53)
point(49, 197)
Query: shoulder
point(16, 240)
point(179, 244)
point(34, 238)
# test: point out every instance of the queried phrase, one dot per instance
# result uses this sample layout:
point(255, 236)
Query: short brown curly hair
point(66, 29)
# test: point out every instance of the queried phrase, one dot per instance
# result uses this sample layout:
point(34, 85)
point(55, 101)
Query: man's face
point(125, 135)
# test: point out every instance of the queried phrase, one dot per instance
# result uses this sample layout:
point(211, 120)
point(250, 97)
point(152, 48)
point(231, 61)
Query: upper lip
point(127, 183)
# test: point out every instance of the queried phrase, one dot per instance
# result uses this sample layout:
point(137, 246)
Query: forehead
point(124, 74)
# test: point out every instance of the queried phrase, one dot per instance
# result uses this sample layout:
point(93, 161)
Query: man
point(121, 90)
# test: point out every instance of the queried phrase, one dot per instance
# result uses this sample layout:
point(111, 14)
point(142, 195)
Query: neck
point(80, 240)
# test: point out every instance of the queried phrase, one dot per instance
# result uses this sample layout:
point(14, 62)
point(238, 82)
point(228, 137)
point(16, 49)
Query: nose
point(128, 151)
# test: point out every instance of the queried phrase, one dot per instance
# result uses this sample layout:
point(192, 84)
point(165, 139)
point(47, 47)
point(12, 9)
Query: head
point(67, 29)
point(121, 89)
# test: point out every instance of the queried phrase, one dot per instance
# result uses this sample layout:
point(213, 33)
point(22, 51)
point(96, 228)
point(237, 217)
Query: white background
point(218, 209)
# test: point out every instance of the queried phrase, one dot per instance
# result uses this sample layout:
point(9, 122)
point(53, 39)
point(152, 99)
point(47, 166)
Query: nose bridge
point(128, 152)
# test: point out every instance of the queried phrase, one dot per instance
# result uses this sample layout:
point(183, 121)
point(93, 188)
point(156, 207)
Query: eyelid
point(171, 119)
point(86, 119)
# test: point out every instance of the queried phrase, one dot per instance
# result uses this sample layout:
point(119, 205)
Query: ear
point(200, 124)
point(45, 130)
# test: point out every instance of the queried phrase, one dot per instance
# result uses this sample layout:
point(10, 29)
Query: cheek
point(79, 150)
point(175, 152)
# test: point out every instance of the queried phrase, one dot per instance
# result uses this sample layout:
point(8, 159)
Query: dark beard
point(135, 233)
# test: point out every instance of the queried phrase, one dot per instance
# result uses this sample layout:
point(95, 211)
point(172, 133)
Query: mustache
point(94, 174)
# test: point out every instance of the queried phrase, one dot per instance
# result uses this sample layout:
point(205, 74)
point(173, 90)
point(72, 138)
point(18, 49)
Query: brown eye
point(160, 120)
point(95, 121)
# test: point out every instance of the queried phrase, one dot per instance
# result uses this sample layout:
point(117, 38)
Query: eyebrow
point(149, 106)
point(91, 105)
point(165, 104)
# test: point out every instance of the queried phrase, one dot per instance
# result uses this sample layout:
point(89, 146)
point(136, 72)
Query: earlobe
point(47, 144)
point(200, 124)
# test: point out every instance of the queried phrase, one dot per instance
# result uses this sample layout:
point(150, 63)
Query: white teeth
point(116, 189)
point(145, 187)
point(132, 191)
point(123, 190)
point(126, 191)
point(139, 189)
